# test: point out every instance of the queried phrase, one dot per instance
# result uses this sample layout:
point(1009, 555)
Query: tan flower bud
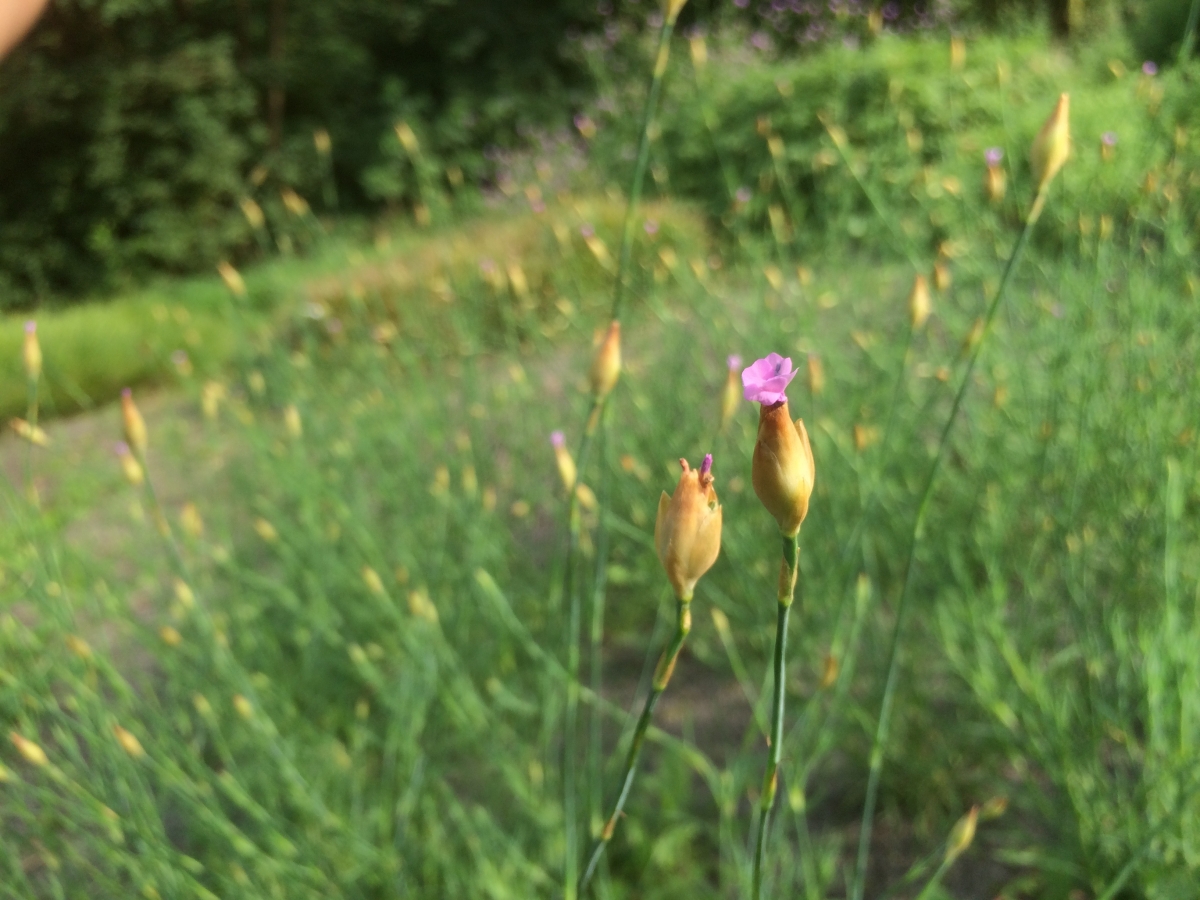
point(128, 741)
point(941, 275)
point(782, 470)
point(31, 752)
point(1053, 143)
point(995, 183)
point(687, 532)
point(232, 278)
point(32, 352)
point(920, 306)
point(562, 457)
point(961, 835)
point(135, 425)
point(606, 365)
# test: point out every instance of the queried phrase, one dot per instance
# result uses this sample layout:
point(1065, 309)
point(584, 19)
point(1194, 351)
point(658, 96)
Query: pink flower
point(766, 380)
point(558, 439)
point(734, 361)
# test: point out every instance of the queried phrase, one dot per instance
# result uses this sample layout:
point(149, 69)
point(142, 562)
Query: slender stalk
point(643, 158)
point(787, 591)
point(31, 416)
point(662, 676)
point(595, 648)
point(879, 743)
point(1189, 32)
point(571, 579)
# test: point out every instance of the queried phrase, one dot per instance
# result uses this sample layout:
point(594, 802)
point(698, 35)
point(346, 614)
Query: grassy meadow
point(353, 636)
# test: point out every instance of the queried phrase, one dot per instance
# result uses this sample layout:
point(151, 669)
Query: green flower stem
point(1189, 33)
point(787, 591)
point(879, 743)
point(662, 676)
point(31, 416)
point(574, 591)
point(643, 160)
point(595, 762)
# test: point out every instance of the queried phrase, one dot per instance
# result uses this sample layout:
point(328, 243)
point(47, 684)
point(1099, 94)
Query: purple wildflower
point(734, 361)
point(766, 380)
point(558, 439)
point(993, 156)
point(1149, 67)
point(651, 227)
point(1109, 139)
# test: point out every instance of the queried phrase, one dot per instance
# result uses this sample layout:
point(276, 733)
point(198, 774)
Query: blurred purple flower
point(558, 439)
point(993, 156)
point(743, 194)
point(733, 361)
point(891, 11)
point(766, 380)
point(760, 41)
point(1149, 67)
point(651, 227)
point(587, 230)
point(1109, 139)
point(741, 4)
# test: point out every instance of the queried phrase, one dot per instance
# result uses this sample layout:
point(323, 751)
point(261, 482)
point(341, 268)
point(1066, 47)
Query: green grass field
point(326, 650)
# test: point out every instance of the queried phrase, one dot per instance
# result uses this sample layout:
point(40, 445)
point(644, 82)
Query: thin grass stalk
point(571, 580)
point(573, 591)
point(879, 742)
point(31, 416)
point(595, 767)
point(1189, 33)
point(643, 156)
point(662, 676)
point(787, 592)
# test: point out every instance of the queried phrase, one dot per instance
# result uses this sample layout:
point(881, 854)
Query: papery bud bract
point(920, 306)
point(135, 425)
point(687, 531)
point(32, 352)
point(1053, 143)
point(606, 365)
point(782, 470)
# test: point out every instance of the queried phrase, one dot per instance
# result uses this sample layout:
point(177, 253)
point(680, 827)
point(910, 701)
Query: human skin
point(16, 18)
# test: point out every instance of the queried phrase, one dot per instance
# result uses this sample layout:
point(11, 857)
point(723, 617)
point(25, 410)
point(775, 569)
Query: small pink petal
point(766, 380)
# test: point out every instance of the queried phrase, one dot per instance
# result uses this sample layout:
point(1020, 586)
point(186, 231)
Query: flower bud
point(128, 741)
point(687, 532)
point(920, 307)
point(232, 278)
point(322, 142)
point(941, 276)
point(816, 374)
point(129, 465)
point(29, 750)
point(606, 365)
point(961, 835)
point(562, 456)
point(732, 395)
point(135, 425)
point(32, 352)
point(32, 433)
point(782, 470)
point(1053, 144)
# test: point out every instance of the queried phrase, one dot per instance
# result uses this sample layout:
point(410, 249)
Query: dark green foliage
point(134, 124)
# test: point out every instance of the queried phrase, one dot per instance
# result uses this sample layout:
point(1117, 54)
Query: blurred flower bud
point(961, 835)
point(32, 352)
point(407, 138)
point(687, 531)
point(31, 752)
point(129, 465)
point(322, 142)
point(816, 374)
point(135, 426)
point(128, 741)
point(941, 275)
point(920, 306)
point(232, 278)
point(32, 433)
point(253, 213)
point(243, 706)
point(731, 396)
point(291, 421)
point(562, 456)
point(606, 364)
point(1052, 145)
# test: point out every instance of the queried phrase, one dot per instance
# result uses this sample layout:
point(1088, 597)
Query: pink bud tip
point(1149, 67)
point(587, 231)
point(734, 361)
point(993, 156)
point(766, 380)
point(127, 392)
point(30, 327)
point(706, 466)
point(557, 439)
point(121, 448)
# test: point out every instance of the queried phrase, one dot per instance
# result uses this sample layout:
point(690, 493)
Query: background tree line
point(130, 130)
